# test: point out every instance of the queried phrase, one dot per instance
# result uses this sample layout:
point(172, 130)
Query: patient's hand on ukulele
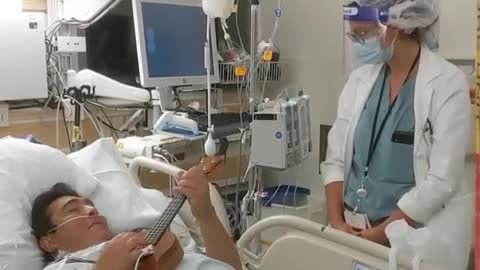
point(194, 185)
point(213, 167)
point(121, 252)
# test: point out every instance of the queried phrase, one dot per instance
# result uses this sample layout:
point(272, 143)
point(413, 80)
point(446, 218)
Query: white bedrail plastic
point(318, 230)
point(160, 166)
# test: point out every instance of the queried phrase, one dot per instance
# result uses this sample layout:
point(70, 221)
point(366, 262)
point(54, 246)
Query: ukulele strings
point(161, 226)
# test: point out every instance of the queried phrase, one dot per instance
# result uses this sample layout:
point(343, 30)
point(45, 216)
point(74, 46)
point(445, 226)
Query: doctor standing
point(397, 148)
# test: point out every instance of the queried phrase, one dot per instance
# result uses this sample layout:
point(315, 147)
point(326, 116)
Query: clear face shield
point(364, 29)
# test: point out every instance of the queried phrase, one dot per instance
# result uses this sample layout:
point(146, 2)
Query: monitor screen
point(171, 36)
point(111, 47)
point(174, 39)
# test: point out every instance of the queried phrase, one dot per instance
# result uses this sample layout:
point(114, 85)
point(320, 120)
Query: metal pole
point(477, 156)
point(253, 44)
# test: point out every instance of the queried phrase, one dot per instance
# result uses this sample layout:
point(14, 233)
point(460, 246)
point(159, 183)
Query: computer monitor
point(171, 36)
point(111, 45)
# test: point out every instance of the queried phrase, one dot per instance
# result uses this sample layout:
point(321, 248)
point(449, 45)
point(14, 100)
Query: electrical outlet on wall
point(4, 119)
point(71, 44)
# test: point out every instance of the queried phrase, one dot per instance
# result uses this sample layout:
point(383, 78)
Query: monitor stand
point(163, 99)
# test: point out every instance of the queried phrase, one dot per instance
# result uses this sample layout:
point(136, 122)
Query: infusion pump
point(281, 133)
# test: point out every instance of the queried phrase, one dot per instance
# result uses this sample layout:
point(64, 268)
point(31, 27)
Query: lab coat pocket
point(402, 143)
point(403, 137)
point(402, 148)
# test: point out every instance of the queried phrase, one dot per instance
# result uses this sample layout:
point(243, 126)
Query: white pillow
point(125, 205)
point(27, 170)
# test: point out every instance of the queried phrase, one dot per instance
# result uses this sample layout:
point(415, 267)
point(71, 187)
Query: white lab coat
point(442, 96)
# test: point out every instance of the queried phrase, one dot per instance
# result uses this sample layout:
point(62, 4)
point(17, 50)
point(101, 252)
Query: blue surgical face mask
point(372, 51)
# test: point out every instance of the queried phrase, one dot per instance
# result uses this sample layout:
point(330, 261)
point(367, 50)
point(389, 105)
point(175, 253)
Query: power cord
point(110, 124)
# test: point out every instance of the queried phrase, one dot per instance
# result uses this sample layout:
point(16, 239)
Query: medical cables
point(63, 262)
point(278, 14)
point(55, 26)
point(171, 179)
point(147, 251)
point(53, 63)
point(53, 80)
point(237, 25)
point(70, 220)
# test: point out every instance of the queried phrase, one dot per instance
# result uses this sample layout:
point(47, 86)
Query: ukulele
point(166, 251)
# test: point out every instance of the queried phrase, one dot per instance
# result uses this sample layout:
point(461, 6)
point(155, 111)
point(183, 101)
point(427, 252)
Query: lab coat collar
point(430, 63)
point(429, 70)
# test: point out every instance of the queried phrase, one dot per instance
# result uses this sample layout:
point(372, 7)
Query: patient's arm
point(194, 185)
point(217, 242)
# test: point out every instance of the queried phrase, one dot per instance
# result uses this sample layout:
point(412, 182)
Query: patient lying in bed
point(70, 231)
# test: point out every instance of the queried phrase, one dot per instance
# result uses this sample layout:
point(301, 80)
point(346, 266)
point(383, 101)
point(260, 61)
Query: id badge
point(356, 220)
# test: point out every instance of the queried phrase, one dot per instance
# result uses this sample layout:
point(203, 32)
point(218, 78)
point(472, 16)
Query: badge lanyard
point(362, 192)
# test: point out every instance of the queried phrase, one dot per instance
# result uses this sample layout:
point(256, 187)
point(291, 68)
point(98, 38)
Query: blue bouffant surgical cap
point(412, 15)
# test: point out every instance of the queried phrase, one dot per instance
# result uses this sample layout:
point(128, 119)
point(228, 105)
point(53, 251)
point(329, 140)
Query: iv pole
point(255, 175)
point(253, 42)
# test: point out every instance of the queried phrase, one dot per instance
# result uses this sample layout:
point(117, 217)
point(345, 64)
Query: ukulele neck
point(162, 225)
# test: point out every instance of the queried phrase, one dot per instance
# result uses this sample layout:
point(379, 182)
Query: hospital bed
point(310, 245)
point(307, 245)
point(317, 245)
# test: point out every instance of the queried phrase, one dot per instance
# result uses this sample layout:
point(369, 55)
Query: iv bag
point(218, 8)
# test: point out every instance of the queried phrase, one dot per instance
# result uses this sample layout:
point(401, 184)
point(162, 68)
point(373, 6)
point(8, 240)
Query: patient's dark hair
point(41, 223)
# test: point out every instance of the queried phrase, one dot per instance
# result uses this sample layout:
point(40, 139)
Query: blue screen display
point(174, 40)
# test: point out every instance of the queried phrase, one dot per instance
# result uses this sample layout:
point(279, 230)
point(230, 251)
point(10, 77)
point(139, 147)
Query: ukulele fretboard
point(161, 226)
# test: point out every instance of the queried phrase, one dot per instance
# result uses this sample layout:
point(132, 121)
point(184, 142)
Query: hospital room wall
point(310, 38)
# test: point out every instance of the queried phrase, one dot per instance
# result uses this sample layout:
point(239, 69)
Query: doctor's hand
point(376, 235)
point(194, 185)
point(344, 227)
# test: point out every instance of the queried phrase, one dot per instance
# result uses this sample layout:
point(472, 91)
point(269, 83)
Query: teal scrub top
point(391, 172)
